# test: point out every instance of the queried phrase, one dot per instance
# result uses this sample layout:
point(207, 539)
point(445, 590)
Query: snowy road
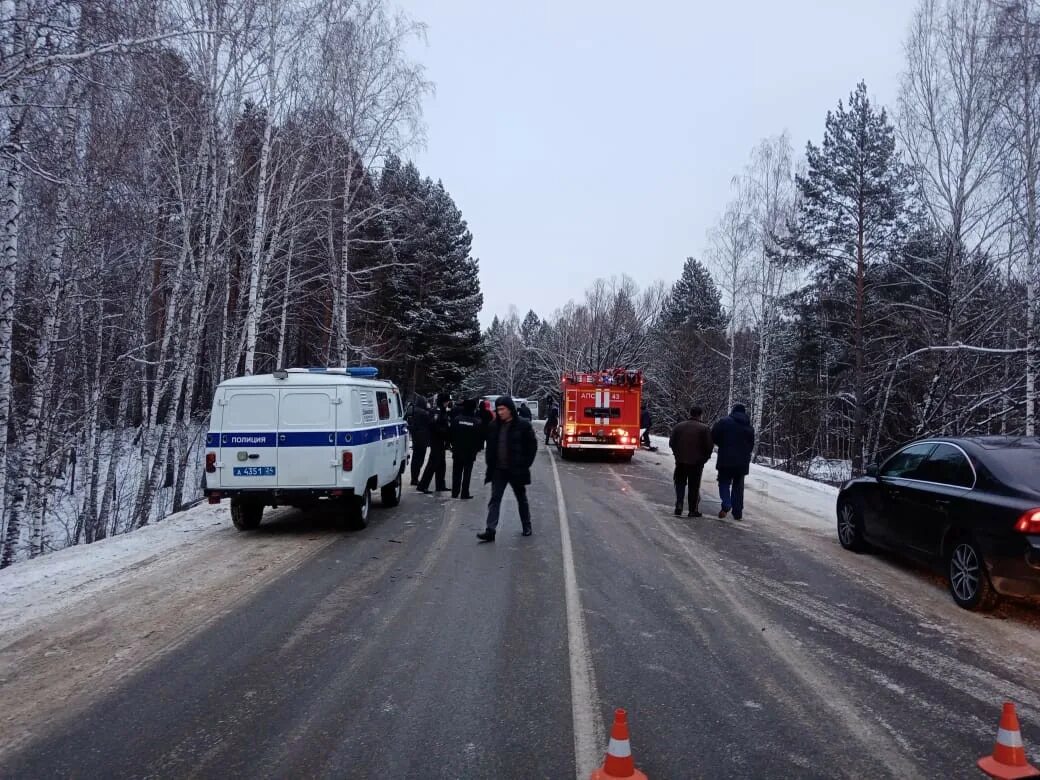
point(753, 650)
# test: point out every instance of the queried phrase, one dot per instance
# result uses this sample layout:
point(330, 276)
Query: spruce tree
point(694, 303)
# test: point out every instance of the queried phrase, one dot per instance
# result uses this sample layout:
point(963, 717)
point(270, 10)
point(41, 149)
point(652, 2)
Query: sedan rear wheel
point(969, 583)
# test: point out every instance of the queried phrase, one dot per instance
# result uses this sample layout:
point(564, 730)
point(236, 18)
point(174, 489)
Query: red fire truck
point(600, 412)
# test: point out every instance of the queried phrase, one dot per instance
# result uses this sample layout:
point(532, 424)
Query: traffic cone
point(619, 762)
point(1008, 761)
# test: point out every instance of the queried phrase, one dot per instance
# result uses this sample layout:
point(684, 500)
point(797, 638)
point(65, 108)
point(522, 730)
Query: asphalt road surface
point(754, 649)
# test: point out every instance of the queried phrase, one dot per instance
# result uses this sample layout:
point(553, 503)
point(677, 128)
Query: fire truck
point(600, 412)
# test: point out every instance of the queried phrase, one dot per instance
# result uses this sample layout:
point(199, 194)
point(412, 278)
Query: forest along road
point(758, 649)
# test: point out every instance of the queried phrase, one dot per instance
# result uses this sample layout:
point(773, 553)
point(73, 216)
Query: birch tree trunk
point(12, 99)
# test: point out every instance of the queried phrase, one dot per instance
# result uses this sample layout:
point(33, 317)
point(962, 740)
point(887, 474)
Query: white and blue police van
point(301, 435)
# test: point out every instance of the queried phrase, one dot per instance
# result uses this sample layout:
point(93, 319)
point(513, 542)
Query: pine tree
point(853, 214)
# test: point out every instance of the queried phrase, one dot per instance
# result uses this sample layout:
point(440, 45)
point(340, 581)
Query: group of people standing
point(507, 437)
point(467, 428)
point(692, 443)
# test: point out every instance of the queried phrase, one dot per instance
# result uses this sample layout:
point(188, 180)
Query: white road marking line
point(589, 733)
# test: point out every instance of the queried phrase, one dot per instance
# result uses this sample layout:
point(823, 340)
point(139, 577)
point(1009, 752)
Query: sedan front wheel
point(850, 527)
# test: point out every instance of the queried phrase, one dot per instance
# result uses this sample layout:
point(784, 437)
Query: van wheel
point(246, 515)
point(357, 509)
point(969, 583)
point(391, 494)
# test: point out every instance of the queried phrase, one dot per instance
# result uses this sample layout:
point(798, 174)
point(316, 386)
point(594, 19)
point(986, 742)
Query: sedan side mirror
point(872, 470)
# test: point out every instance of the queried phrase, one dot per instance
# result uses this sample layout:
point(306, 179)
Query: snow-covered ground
point(808, 504)
point(33, 589)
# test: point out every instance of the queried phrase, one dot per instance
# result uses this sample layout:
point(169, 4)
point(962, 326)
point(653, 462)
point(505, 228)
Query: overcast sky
point(588, 138)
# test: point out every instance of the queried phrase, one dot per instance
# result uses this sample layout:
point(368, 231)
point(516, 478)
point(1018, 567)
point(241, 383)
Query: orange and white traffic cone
point(619, 762)
point(1008, 761)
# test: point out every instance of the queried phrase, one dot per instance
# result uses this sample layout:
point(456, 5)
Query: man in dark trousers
point(467, 439)
point(419, 428)
point(511, 449)
point(525, 411)
point(440, 433)
point(691, 445)
point(645, 421)
point(552, 421)
point(735, 438)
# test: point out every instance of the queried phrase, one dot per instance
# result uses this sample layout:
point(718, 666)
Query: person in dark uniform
point(419, 427)
point(552, 421)
point(440, 439)
point(645, 421)
point(467, 440)
point(524, 412)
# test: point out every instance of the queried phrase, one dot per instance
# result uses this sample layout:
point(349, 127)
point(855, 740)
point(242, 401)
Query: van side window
point(397, 401)
point(383, 402)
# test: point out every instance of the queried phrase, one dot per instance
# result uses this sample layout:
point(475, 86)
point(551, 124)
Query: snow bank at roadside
point(41, 586)
point(803, 502)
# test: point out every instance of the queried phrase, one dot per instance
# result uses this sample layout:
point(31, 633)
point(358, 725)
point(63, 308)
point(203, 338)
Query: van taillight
point(211, 462)
point(1029, 523)
point(348, 460)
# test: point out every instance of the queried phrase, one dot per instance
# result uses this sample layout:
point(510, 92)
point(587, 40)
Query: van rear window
point(250, 410)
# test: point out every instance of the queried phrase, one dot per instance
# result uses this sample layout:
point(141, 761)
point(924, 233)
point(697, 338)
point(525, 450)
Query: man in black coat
point(467, 439)
point(511, 449)
point(524, 411)
point(440, 432)
point(735, 438)
point(419, 428)
point(645, 421)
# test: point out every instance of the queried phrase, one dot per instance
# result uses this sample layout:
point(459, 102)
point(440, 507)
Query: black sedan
point(970, 506)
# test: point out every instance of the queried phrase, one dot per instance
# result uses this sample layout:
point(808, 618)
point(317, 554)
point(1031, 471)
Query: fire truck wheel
point(626, 458)
point(565, 453)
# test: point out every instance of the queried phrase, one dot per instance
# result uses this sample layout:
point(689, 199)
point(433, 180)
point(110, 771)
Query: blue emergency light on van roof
point(365, 372)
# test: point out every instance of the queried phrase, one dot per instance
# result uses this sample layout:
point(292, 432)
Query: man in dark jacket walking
point(440, 433)
point(691, 445)
point(511, 449)
point(467, 439)
point(419, 428)
point(524, 411)
point(735, 438)
point(645, 421)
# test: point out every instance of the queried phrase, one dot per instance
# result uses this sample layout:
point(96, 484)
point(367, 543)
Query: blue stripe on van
point(306, 438)
point(357, 438)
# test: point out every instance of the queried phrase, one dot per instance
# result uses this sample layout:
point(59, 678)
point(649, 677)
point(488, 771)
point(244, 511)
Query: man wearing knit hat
point(735, 438)
point(510, 452)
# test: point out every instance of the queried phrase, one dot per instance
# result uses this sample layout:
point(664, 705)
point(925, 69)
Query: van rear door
point(307, 437)
point(248, 438)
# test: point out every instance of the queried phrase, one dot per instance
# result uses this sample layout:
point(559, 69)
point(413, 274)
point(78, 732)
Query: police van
point(304, 434)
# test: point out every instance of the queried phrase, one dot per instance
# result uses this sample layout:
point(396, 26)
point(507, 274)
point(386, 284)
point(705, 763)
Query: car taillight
point(1029, 522)
point(211, 462)
point(348, 460)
